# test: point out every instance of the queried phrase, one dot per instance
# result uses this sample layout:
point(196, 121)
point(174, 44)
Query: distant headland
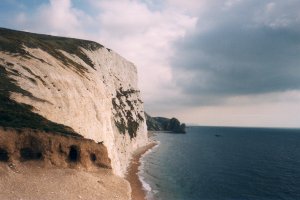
point(164, 124)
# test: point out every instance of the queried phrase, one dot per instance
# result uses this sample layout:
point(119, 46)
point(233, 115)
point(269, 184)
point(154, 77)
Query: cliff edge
point(71, 87)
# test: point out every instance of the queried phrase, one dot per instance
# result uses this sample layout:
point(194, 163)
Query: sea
point(223, 163)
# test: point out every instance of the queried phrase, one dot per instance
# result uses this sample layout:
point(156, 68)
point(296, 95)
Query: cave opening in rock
point(93, 157)
point(74, 154)
point(30, 154)
point(3, 155)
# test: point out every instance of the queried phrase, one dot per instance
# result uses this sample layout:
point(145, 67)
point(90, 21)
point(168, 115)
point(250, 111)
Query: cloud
point(141, 31)
point(144, 36)
point(223, 62)
point(241, 48)
point(56, 17)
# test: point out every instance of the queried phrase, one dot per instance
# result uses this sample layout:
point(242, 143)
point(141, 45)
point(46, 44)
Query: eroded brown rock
point(21, 145)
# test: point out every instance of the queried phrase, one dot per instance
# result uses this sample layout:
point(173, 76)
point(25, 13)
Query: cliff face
point(52, 149)
point(73, 87)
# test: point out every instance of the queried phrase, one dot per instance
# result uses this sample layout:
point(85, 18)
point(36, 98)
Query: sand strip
point(138, 192)
point(30, 181)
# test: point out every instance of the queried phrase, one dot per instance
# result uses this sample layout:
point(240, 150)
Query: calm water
point(214, 163)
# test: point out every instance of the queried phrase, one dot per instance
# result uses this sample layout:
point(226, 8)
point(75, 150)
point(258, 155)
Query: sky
point(206, 62)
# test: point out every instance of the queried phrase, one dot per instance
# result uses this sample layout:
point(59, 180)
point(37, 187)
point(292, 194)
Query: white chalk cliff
point(79, 84)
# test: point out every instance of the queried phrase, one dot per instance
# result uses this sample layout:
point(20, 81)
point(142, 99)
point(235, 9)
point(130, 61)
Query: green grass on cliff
point(12, 41)
point(132, 124)
point(18, 115)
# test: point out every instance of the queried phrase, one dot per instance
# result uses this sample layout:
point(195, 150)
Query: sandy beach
point(31, 180)
point(137, 193)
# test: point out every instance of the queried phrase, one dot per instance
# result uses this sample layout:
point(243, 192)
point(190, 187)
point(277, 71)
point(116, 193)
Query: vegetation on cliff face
point(126, 116)
point(14, 114)
point(164, 124)
point(61, 85)
point(13, 42)
point(18, 115)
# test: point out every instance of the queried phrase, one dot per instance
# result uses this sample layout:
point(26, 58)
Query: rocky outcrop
point(153, 124)
point(175, 126)
point(165, 124)
point(71, 87)
point(52, 149)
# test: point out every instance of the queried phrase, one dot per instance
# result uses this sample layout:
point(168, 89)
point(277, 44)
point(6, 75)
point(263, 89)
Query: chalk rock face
point(79, 84)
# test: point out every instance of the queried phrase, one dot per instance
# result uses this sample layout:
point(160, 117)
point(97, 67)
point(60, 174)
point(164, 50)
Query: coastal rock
point(152, 124)
point(165, 124)
point(52, 149)
point(74, 87)
point(175, 126)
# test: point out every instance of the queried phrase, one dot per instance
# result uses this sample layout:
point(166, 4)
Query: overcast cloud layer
point(241, 48)
point(212, 62)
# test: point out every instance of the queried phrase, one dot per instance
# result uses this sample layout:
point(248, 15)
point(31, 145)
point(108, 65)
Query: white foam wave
point(146, 186)
point(141, 169)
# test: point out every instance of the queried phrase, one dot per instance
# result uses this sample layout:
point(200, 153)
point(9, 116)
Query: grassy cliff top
point(18, 115)
point(13, 42)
